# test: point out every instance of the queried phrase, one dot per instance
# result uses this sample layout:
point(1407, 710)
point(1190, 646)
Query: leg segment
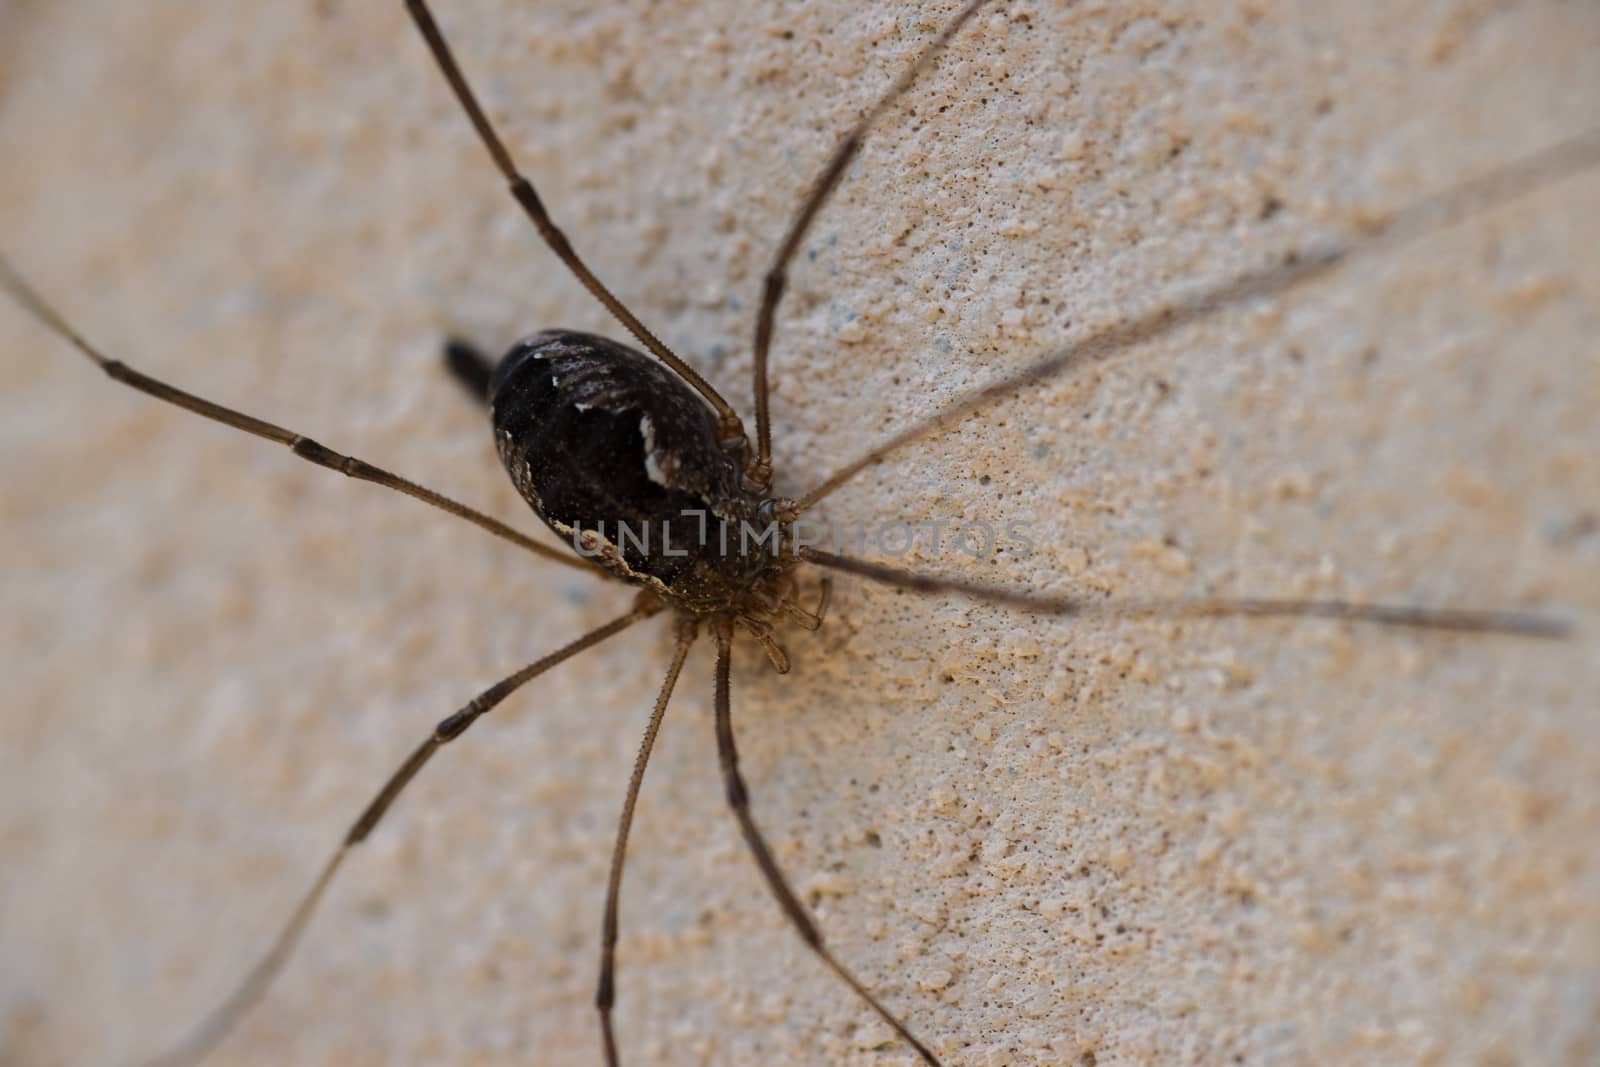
point(778, 274)
point(1508, 623)
point(739, 801)
point(222, 1020)
point(606, 994)
point(1291, 272)
point(528, 197)
point(302, 446)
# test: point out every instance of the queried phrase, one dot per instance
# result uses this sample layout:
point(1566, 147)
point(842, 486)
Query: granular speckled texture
point(1217, 843)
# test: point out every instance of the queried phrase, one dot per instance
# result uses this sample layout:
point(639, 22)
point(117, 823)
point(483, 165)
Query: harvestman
point(594, 432)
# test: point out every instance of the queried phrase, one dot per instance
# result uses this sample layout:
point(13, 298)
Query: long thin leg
point(1510, 623)
point(778, 273)
point(1500, 186)
point(222, 1020)
point(304, 447)
point(606, 993)
point(528, 197)
point(739, 801)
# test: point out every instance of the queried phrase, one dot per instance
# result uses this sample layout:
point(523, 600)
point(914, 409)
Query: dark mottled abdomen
point(599, 437)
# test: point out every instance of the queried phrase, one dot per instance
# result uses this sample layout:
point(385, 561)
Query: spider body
point(963, 889)
point(627, 464)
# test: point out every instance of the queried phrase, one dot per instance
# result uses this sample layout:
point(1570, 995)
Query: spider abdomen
point(623, 460)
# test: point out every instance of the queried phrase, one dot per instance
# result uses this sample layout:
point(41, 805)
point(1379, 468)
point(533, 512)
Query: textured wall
point(1200, 843)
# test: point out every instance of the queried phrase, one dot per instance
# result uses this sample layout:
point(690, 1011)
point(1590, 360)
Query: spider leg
point(606, 993)
point(739, 801)
point(1510, 623)
point(1431, 215)
point(300, 445)
point(222, 1020)
point(522, 189)
point(778, 273)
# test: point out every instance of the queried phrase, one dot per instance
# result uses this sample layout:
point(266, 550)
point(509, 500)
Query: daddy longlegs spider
point(1277, 279)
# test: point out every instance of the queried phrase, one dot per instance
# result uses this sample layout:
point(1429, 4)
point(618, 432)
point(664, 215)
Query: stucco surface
point(1197, 843)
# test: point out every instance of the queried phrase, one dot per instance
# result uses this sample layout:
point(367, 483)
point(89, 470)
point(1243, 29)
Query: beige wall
point(1159, 843)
